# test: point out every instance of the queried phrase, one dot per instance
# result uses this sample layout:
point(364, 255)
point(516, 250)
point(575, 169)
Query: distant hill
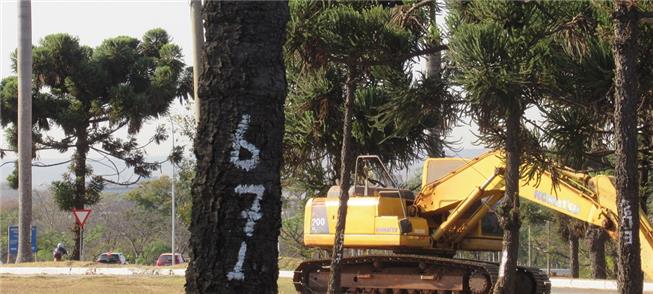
point(43, 176)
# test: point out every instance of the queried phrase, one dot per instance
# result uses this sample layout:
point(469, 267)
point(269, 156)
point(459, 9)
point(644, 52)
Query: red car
point(165, 259)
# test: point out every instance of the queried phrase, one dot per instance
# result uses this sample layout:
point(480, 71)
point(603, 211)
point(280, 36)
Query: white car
point(112, 258)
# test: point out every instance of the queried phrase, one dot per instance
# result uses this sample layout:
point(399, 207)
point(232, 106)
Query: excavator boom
point(588, 199)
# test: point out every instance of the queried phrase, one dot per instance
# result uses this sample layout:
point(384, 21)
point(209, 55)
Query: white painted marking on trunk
point(502, 265)
point(626, 222)
point(252, 214)
point(240, 142)
point(237, 272)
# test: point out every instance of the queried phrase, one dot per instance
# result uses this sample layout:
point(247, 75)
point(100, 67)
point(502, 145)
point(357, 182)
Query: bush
point(152, 252)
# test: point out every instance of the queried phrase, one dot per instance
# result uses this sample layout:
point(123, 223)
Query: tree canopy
point(90, 94)
point(377, 46)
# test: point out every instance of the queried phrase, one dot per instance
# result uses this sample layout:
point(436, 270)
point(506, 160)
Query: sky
point(94, 21)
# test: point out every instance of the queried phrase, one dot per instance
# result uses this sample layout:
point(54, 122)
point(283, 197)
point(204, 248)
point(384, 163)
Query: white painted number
point(253, 213)
point(240, 142)
point(318, 222)
point(626, 222)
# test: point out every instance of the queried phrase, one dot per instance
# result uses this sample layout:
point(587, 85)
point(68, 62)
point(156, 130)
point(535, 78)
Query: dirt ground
point(107, 284)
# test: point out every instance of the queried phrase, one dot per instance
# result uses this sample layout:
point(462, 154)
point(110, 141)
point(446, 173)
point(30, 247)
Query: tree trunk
point(629, 270)
point(645, 162)
point(24, 131)
point(433, 70)
point(236, 215)
point(573, 251)
point(79, 168)
point(596, 238)
point(509, 208)
point(345, 172)
point(434, 61)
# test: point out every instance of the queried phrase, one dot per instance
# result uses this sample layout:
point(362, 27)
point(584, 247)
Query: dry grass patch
point(102, 284)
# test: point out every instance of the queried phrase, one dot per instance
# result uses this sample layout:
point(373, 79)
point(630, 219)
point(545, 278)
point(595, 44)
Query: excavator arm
point(456, 202)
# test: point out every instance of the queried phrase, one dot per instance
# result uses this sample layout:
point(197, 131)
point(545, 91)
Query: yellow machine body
point(373, 223)
point(455, 209)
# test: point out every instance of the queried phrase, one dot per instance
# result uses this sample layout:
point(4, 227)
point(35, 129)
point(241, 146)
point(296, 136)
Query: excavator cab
point(377, 214)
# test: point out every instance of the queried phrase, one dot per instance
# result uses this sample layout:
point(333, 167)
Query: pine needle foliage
point(92, 93)
point(326, 42)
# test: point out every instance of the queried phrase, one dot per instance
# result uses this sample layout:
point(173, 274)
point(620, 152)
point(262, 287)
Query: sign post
point(12, 232)
point(81, 215)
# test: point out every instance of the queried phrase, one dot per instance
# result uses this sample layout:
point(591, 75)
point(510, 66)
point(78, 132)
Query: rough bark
point(573, 259)
point(345, 172)
point(509, 208)
point(596, 238)
point(645, 161)
point(24, 132)
point(629, 271)
point(236, 215)
point(434, 60)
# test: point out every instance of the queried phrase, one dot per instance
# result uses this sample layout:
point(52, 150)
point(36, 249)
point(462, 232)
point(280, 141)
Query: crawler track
point(412, 274)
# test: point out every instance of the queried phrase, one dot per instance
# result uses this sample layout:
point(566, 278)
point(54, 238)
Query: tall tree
point(481, 50)
point(236, 213)
point(392, 109)
point(626, 99)
point(24, 131)
point(90, 94)
point(345, 58)
point(497, 48)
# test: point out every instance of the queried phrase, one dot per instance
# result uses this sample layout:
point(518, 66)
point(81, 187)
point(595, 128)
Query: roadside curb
point(85, 271)
point(591, 284)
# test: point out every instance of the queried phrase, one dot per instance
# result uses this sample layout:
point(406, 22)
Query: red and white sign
point(81, 215)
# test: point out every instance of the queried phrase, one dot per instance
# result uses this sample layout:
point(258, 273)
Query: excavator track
point(413, 274)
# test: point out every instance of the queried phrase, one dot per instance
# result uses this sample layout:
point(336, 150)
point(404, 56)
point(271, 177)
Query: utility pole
point(548, 248)
point(24, 131)
point(198, 44)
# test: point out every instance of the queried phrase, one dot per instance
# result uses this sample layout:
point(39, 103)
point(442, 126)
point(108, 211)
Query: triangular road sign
point(81, 215)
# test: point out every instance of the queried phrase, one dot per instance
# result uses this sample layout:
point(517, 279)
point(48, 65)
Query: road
point(580, 291)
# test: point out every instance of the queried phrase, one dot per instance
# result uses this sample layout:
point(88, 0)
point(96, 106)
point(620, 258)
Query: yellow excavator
point(453, 211)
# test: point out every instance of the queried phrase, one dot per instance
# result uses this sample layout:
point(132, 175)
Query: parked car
point(166, 259)
point(111, 258)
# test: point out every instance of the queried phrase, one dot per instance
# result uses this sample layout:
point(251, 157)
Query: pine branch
point(414, 7)
point(122, 183)
point(51, 164)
